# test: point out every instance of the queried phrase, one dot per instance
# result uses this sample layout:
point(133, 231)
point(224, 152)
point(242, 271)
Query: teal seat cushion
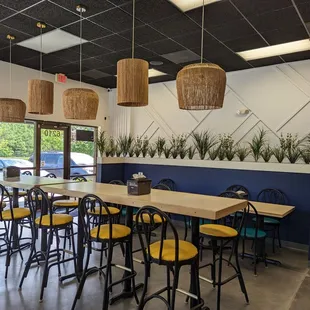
point(269, 220)
point(250, 233)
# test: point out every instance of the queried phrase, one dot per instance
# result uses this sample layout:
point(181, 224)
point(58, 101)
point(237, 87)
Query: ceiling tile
point(120, 2)
point(93, 6)
point(5, 12)
point(216, 14)
point(279, 36)
point(66, 68)
point(115, 20)
point(246, 43)
point(19, 36)
point(266, 61)
point(91, 50)
point(296, 56)
point(107, 82)
point(25, 24)
point(280, 19)
point(304, 10)
point(176, 25)
point(4, 43)
point(162, 78)
point(143, 34)
point(69, 54)
point(167, 67)
point(18, 53)
point(164, 46)
point(18, 4)
point(51, 14)
point(229, 61)
point(90, 31)
point(94, 63)
point(114, 57)
point(95, 74)
point(193, 39)
point(111, 70)
point(114, 42)
point(33, 63)
point(260, 6)
point(152, 10)
point(182, 56)
point(76, 77)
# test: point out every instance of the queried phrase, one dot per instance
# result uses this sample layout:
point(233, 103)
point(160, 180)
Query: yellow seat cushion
point(69, 203)
point(186, 250)
point(18, 213)
point(219, 231)
point(20, 193)
point(57, 220)
point(147, 219)
point(118, 231)
point(96, 211)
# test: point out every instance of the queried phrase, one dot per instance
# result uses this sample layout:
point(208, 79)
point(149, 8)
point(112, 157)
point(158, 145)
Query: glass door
point(54, 150)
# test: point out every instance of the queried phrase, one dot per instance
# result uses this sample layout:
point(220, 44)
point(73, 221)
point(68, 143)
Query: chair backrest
point(230, 194)
point(163, 187)
point(104, 216)
point(27, 173)
point(168, 182)
point(145, 227)
point(79, 178)
point(247, 222)
point(117, 182)
point(51, 175)
point(272, 195)
point(37, 198)
point(239, 188)
point(5, 198)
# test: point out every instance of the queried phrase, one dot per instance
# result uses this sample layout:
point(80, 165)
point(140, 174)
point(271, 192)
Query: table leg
point(195, 241)
point(14, 226)
point(43, 231)
point(80, 243)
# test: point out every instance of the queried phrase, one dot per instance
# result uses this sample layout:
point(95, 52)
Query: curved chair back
point(272, 195)
point(117, 182)
point(162, 187)
point(5, 198)
point(239, 188)
point(168, 182)
point(27, 172)
point(248, 214)
point(51, 175)
point(38, 199)
point(147, 223)
point(79, 178)
point(230, 194)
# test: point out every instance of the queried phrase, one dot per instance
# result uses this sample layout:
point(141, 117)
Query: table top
point(211, 207)
point(29, 181)
point(271, 209)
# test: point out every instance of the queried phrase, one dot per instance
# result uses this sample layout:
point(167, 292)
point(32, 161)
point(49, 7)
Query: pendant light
point(132, 77)
point(12, 110)
point(40, 92)
point(201, 86)
point(80, 103)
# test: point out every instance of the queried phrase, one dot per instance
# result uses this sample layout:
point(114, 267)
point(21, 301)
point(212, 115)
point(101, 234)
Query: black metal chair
point(241, 190)
point(27, 173)
point(172, 253)
point(11, 218)
point(51, 175)
point(272, 195)
point(53, 224)
point(224, 235)
point(117, 182)
point(108, 234)
point(169, 182)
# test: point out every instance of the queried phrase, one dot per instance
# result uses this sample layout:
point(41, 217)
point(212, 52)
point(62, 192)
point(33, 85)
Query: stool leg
point(174, 287)
point(255, 257)
point(133, 278)
point(65, 243)
point(279, 239)
point(273, 239)
point(213, 267)
point(218, 302)
point(58, 251)
point(8, 251)
point(168, 285)
point(106, 291)
point(146, 279)
point(74, 253)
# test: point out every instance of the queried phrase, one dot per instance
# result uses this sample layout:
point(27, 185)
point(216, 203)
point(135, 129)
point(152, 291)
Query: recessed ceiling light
point(276, 50)
point(154, 73)
point(52, 41)
point(156, 62)
point(187, 5)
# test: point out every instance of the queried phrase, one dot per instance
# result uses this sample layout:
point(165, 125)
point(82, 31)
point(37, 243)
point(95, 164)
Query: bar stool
point(109, 234)
point(53, 223)
point(11, 217)
point(172, 253)
point(224, 235)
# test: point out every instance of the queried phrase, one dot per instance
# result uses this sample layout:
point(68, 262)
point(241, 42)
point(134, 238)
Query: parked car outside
point(21, 163)
point(53, 162)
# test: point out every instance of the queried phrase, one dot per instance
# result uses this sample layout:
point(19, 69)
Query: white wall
point(278, 97)
point(20, 77)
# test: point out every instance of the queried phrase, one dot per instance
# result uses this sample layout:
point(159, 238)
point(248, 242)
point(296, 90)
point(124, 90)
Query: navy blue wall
point(213, 181)
point(109, 172)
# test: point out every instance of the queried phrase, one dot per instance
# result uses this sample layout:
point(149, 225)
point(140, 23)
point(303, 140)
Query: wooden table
point(271, 209)
point(193, 205)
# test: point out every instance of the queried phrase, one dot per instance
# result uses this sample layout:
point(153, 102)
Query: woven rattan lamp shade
point(80, 103)
point(12, 110)
point(40, 97)
point(132, 82)
point(201, 87)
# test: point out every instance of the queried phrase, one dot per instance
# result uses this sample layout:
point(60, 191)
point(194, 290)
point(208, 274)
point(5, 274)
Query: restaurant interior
point(154, 154)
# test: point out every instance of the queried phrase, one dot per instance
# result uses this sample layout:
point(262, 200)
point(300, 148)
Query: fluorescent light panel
point(52, 41)
point(154, 73)
point(187, 5)
point(276, 50)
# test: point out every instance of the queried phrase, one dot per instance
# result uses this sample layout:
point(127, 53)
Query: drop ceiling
point(163, 33)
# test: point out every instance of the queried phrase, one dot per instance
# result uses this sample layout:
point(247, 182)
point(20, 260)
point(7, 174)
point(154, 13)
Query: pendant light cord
point(81, 31)
point(41, 47)
point(10, 68)
point(202, 29)
point(133, 29)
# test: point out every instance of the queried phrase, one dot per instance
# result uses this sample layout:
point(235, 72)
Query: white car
point(20, 163)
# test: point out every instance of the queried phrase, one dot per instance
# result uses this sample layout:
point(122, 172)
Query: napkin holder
point(11, 172)
point(140, 186)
